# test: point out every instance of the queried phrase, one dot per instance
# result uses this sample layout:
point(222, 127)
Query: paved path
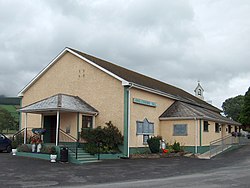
point(181, 171)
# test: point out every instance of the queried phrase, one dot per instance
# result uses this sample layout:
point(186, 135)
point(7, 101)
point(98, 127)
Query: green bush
point(14, 144)
point(110, 138)
point(24, 148)
point(154, 144)
point(48, 149)
point(176, 146)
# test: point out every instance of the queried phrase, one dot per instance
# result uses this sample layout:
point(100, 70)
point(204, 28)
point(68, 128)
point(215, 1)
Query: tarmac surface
point(231, 169)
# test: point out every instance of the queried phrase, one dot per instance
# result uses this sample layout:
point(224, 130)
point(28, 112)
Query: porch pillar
point(25, 129)
point(78, 126)
point(57, 127)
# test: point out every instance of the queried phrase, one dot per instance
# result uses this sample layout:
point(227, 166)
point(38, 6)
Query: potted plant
point(39, 145)
point(33, 144)
point(53, 154)
point(14, 147)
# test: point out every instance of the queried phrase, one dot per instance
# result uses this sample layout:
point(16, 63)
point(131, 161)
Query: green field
point(12, 109)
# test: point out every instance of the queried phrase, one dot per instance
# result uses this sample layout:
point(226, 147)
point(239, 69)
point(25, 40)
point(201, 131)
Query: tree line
point(238, 109)
point(7, 121)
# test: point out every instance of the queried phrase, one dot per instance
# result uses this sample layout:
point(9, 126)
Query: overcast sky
point(176, 41)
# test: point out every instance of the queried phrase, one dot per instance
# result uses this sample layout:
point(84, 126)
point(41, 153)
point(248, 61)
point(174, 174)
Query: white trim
point(203, 118)
point(25, 130)
point(179, 118)
point(161, 93)
point(128, 118)
point(97, 66)
point(57, 127)
point(20, 94)
point(154, 91)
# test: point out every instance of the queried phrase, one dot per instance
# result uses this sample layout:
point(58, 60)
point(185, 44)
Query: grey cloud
point(178, 42)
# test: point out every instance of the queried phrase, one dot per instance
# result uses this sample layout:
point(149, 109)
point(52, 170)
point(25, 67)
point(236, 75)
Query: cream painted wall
point(69, 120)
point(211, 135)
point(71, 75)
point(139, 112)
point(167, 132)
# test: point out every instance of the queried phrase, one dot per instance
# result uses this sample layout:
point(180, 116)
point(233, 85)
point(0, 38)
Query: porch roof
point(62, 103)
point(181, 110)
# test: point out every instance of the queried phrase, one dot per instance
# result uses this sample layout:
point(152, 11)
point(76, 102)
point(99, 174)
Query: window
point(229, 129)
point(87, 122)
point(235, 129)
point(205, 126)
point(145, 139)
point(2, 137)
point(217, 127)
point(144, 127)
point(180, 130)
point(199, 91)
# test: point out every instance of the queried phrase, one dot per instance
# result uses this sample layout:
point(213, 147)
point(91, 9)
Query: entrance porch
point(62, 116)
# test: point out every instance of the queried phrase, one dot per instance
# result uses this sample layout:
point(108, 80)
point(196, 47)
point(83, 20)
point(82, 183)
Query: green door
point(50, 126)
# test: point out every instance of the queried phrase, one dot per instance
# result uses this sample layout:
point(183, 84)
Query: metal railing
point(222, 144)
point(19, 135)
point(68, 141)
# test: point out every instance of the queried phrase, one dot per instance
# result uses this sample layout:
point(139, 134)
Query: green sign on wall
point(144, 102)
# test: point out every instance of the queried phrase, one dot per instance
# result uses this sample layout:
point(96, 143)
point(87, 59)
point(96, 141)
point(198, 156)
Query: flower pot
point(14, 151)
point(53, 158)
point(39, 147)
point(33, 148)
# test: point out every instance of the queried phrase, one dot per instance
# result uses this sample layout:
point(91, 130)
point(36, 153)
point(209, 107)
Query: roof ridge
point(135, 77)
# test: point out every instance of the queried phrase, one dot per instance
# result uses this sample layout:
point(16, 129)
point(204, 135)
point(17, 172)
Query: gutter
point(196, 134)
point(200, 117)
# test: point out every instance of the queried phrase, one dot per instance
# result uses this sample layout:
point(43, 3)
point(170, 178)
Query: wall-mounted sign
point(144, 102)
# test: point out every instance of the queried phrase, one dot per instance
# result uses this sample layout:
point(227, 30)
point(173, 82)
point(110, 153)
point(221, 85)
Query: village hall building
point(77, 90)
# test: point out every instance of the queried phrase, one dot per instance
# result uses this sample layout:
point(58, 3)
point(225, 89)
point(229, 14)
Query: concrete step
point(82, 156)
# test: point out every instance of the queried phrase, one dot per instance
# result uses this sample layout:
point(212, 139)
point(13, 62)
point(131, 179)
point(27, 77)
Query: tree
point(245, 113)
point(7, 121)
point(232, 107)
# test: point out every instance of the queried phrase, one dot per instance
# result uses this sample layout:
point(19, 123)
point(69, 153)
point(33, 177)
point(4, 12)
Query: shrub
point(110, 138)
point(14, 144)
point(17, 141)
point(154, 144)
point(48, 149)
point(24, 148)
point(176, 146)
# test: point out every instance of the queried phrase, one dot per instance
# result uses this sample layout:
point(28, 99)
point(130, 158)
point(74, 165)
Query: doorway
point(50, 126)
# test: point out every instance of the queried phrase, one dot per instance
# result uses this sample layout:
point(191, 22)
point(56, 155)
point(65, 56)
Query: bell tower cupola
point(199, 91)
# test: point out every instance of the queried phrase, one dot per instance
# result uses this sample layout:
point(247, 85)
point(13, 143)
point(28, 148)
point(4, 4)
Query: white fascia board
point(97, 66)
point(20, 94)
point(179, 118)
point(154, 91)
point(202, 118)
point(221, 121)
point(167, 95)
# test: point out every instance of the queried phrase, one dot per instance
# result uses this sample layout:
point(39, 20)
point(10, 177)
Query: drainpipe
point(196, 135)
point(129, 100)
point(126, 118)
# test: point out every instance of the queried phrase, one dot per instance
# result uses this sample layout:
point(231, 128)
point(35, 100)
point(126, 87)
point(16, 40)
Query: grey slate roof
point(61, 102)
point(137, 78)
point(184, 110)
